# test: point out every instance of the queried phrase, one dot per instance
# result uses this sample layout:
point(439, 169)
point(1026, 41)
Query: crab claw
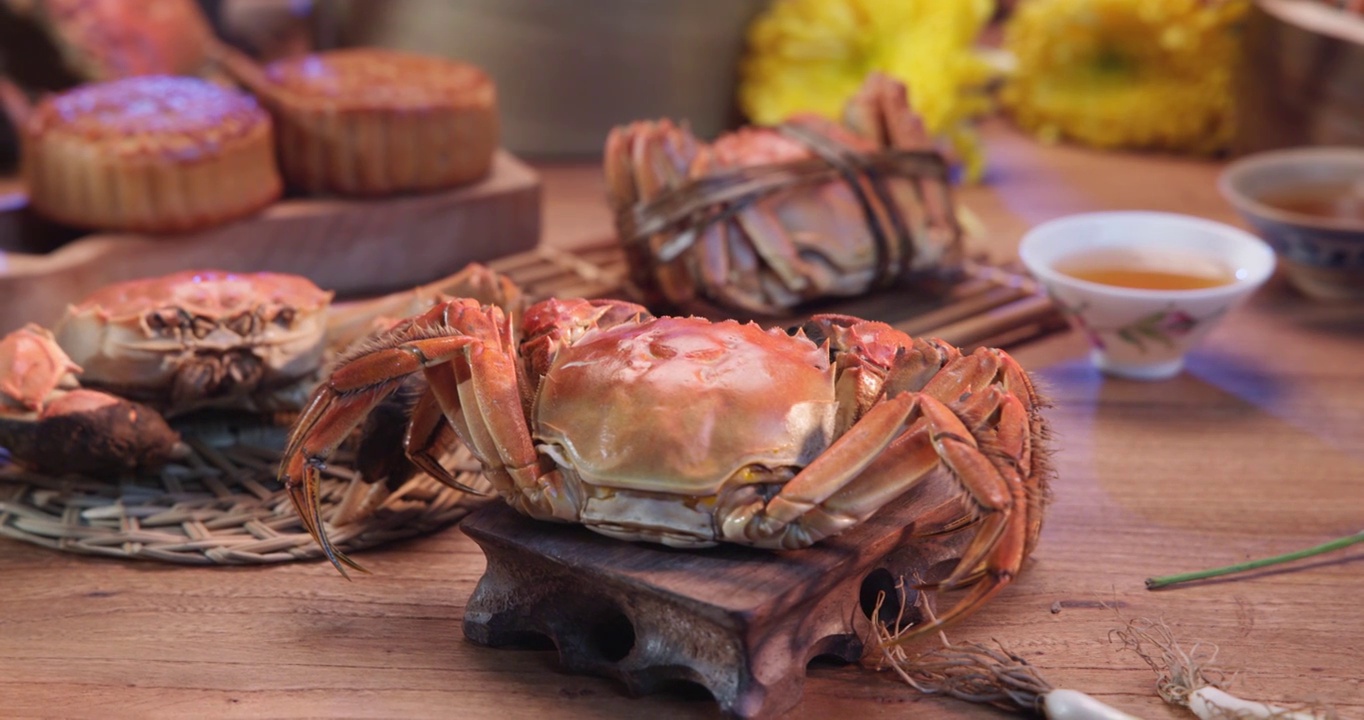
point(303, 462)
point(368, 375)
point(880, 112)
point(33, 367)
point(90, 433)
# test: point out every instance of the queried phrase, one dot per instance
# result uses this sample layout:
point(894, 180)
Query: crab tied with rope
point(765, 219)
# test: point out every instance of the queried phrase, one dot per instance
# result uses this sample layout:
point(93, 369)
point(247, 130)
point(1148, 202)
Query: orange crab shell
point(609, 407)
point(142, 336)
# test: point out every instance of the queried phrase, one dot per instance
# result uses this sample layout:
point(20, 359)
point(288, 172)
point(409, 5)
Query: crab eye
point(163, 322)
point(243, 324)
point(285, 318)
point(202, 326)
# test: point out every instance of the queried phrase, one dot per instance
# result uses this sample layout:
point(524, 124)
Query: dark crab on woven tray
point(765, 219)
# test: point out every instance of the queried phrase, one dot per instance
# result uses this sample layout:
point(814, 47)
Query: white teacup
point(1137, 332)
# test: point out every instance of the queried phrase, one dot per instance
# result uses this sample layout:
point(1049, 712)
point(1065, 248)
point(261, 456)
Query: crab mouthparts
point(216, 375)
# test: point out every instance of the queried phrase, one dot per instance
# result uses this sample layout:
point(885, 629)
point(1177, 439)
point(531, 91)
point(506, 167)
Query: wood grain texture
point(1255, 449)
point(354, 247)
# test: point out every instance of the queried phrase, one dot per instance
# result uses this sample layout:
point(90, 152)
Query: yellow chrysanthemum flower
point(1141, 74)
point(811, 56)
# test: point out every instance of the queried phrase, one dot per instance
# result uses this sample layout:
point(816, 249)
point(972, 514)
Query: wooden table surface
point(1257, 449)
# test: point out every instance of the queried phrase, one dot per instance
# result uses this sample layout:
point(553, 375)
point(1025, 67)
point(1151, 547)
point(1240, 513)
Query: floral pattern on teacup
point(1165, 327)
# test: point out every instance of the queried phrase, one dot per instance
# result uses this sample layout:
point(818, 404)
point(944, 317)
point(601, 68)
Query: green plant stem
point(1337, 544)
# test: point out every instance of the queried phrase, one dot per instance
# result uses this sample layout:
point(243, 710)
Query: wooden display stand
point(742, 623)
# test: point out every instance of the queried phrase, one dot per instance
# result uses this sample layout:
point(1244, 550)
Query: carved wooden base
point(741, 623)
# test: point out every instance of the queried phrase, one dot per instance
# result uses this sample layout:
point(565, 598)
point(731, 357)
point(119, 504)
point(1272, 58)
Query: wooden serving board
point(353, 247)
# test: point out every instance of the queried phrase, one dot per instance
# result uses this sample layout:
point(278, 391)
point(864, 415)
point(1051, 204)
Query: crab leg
point(1016, 430)
point(427, 433)
point(352, 321)
point(996, 491)
point(880, 112)
point(659, 156)
point(826, 498)
point(464, 351)
point(711, 256)
point(989, 384)
point(773, 523)
point(1001, 541)
point(722, 246)
point(336, 409)
point(770, 239)
point(963, 413)
point(478, 390)
point(845, 483)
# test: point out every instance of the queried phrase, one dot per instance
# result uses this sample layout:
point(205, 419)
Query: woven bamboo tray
point(222, 504)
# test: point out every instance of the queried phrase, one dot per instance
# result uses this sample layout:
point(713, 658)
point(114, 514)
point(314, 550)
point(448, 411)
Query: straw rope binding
point(657, 232)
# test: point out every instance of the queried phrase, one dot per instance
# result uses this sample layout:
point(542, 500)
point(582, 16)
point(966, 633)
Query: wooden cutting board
point(353, 247)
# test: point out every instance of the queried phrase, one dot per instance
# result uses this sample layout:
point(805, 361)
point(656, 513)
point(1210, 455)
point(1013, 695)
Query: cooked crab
point(32, 368)
point(50, 424)
point(767, 218)
point(199, 339)
point(243, 341)
point(690, 433)
point(182, 342)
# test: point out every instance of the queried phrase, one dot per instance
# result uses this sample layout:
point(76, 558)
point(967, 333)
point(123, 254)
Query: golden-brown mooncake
point(369, 121)
point(151, 154)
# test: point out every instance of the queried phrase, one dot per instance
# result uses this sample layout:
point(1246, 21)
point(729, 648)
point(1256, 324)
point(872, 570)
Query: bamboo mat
point(223, 505)
point(987, 306)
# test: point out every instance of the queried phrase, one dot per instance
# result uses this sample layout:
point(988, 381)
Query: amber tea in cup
point(1144, 287)
point(1308, 203)
point(1107, 269)
point(1338, 200)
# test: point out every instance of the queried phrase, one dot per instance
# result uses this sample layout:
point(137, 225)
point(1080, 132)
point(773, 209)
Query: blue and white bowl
point(1322, 257)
